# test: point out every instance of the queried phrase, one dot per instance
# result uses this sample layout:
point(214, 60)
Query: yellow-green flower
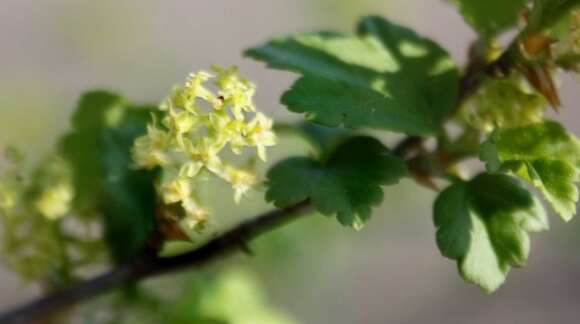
point(210, 112)
point(150, 151)
point(55, 202)
point(35, 203)
point(242, 180)
point(260, 134)
point(54, 189)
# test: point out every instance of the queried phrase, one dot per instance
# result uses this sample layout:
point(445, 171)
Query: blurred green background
point(314, 270)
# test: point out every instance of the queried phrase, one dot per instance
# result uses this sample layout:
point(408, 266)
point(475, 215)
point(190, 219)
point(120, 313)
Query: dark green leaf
point(106, 183)
point(81, 147)
point(346, 185)
point(489, 17)
point(547, 14)
point(128, 201)
point(385, 77)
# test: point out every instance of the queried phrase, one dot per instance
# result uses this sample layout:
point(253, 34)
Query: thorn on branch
point(245, 247)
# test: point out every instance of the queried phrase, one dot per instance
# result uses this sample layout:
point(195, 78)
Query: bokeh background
point(317, 272)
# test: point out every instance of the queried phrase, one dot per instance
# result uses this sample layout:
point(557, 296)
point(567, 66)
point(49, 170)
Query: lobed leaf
point(484, 225)
point(384, 77)
point(347, 184)
point(544, 154)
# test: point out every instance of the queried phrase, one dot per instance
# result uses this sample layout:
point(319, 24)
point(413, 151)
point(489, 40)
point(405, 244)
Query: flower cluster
point(31, 204)
point(200, 119)
point(49, 187)
point(508, 102)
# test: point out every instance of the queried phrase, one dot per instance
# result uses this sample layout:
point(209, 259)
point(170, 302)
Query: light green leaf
point(232, 297)
point(385, 77)
point(489, 17)
point(557, 180)
point(484, 225)
point(347, 184)
point(544, 154)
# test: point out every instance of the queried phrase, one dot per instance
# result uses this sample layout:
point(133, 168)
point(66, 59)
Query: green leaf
point(321, 138)
point(346, 184)
point(385, 77)
point(544, 154)
point(548, 14)
point(489, 17)
point(98, 150)
point(81, 147)
point(556, 179)
point(128, 201)
point(232, 297)
point(484, 225)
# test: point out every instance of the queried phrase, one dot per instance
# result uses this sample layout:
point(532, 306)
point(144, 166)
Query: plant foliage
point(386, 76)
point(484, 225)
point(345, 183)
point(137, 172)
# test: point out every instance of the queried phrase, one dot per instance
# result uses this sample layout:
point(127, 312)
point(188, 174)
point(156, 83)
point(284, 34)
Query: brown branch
point(475, 73)
point(148, 266)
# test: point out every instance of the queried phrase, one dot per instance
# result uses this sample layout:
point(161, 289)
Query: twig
point(147, 267)
point(473, 77)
